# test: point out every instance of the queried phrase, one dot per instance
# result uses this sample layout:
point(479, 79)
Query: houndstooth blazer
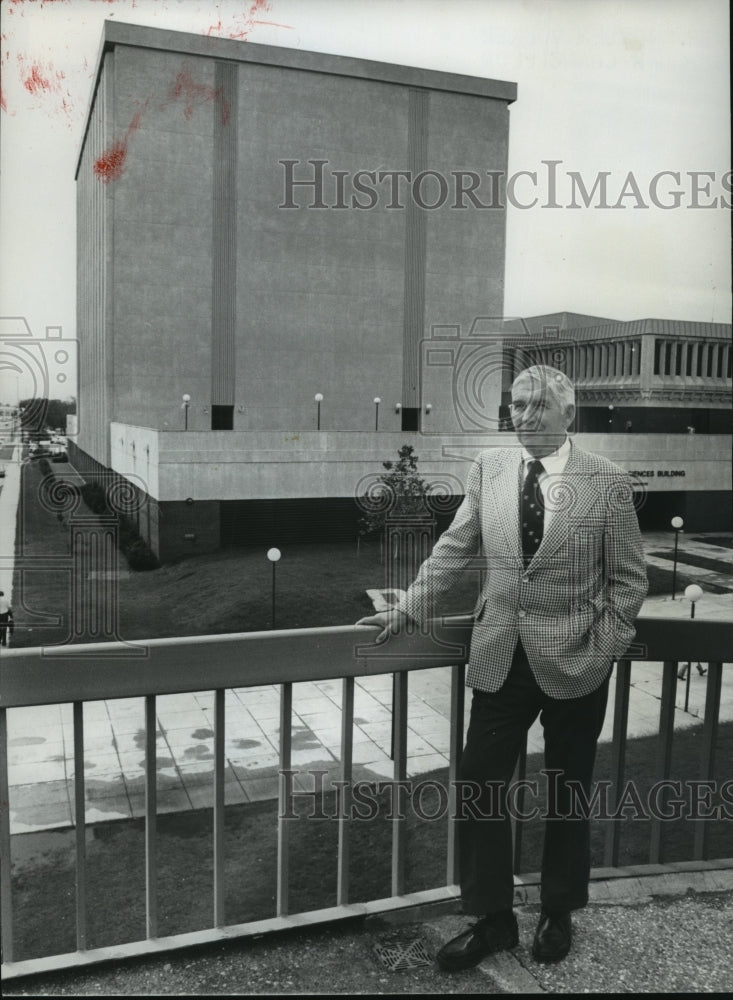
point(574, 605)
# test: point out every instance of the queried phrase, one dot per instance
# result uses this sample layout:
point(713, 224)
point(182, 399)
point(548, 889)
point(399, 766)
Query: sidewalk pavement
point(40, 739)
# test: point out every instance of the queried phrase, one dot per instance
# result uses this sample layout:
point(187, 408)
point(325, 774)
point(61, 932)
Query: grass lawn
point(227, 591)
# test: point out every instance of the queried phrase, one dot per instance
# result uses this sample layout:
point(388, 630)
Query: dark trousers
point(498, 725)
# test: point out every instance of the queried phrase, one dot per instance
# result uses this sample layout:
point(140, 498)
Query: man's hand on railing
point(391, 622)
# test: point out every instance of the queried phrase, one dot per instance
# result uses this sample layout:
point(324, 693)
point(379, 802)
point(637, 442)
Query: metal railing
point(79, 673)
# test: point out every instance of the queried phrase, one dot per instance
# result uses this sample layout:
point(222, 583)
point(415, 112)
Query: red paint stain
point(35, 81)
point(42, 81)
point(249, 20)
point(3, 105)
point(22, 3)
point(111, 164)
point(185, 88)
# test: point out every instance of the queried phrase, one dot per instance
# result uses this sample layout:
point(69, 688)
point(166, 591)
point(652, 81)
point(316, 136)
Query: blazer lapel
point(503, 498)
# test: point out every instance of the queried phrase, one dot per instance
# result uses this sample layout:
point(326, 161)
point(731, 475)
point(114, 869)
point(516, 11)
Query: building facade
point(257, 226)
point(291, 264)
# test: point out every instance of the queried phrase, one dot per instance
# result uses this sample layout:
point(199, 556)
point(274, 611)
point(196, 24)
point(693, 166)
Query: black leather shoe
point(490, 934)
point(553, 937)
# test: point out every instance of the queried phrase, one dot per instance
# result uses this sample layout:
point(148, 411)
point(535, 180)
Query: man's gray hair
point(551, 381)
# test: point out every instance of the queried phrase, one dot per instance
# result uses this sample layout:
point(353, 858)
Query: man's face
point(540, 421)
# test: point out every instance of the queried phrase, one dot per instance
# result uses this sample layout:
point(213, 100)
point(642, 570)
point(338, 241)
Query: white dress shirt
point(553, 466)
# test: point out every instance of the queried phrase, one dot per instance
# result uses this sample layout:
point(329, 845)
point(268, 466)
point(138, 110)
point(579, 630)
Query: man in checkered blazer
point(564, 581)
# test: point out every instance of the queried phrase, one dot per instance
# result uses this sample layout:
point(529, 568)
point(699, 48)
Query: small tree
point(400, 492)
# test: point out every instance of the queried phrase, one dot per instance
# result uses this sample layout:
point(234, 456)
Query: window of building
point(688, 364)
point(700, 348)
point(720, 360)
point(410, 418)
point(668, 359)
point(222, 418)
point(657, 357)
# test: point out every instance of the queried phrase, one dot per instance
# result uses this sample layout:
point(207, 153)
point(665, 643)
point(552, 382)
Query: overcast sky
point(630, 87)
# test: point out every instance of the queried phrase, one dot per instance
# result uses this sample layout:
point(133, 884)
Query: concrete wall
point(163, 227)
point(134, 453)
point(244, 486)
point(232, 465)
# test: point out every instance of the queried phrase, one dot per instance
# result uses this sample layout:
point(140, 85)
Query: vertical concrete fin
point(224, 255)
point(415, 226)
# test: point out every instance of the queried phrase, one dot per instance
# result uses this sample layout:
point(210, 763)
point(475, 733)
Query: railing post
point(151, 818)
point(80, 828)
point(283, 829)
point(6, 902)
point(707, 750)
point(409, 540)
point(219, 766)
point(400, 774)
point(664, 751)
point(345, 791)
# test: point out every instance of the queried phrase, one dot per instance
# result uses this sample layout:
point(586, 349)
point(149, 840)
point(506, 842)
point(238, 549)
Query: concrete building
point(653, 376)
point(259, 227)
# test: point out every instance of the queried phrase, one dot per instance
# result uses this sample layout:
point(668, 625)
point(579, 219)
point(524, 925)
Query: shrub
point(94, 497)
point(135, 549)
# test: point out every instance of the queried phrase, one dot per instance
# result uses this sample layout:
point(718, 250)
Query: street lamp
point(319, 399)
point(610, 416)
point(677, 524)
point(186, 402)
point(273, 555)
point(428, 407)
point(377, 401)
point(693, 593)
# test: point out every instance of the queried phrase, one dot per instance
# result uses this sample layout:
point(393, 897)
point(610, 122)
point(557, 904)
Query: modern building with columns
point(652, 376)
point(258, 227)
